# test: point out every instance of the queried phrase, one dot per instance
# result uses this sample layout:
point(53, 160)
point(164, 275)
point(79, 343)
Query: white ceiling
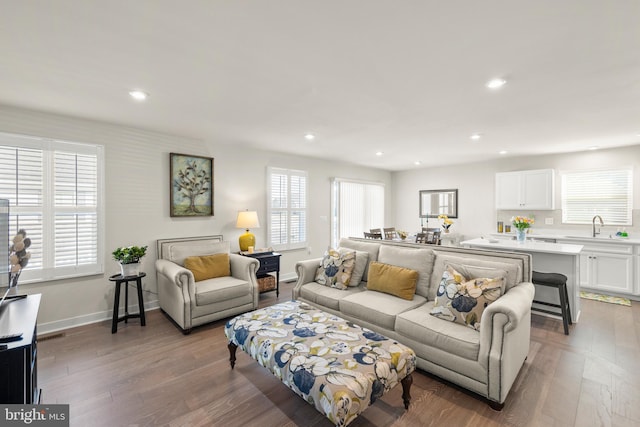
point(403, 77)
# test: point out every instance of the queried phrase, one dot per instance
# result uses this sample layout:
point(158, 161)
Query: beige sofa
point(190, 303)
point(485, 361)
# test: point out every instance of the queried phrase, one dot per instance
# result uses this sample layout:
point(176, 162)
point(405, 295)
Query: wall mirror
point(437, 202)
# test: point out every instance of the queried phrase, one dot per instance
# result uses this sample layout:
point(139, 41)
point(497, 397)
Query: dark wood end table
point(120, 279)
point(269, 263)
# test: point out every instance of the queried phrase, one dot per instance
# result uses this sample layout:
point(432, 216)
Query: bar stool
point(558, 281)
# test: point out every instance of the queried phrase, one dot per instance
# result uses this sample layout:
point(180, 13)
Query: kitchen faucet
point(593, 222)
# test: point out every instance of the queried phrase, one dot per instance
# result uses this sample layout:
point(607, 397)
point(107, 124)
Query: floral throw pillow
point(335, 269)
point(463, 300)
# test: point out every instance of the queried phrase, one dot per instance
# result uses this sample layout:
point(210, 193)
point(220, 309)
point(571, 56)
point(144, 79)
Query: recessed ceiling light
point(476, 136)
point(417, 163)
point(502, 152)
point(379, 153)
point(138, 95)
point(309, 137)
point(594, 147)
point(496, 83)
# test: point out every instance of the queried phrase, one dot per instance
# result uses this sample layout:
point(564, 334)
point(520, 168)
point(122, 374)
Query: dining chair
point(389, 233)
point(375, 230)
point(373, 235)
point(429, 238)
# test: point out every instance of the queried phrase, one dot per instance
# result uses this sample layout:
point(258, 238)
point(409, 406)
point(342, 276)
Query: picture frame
point(191, 185)
point(438, 202)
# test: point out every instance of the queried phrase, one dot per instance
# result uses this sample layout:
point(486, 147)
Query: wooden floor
point(155, 376)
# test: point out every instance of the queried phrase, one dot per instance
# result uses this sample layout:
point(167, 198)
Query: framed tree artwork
point(191, 185)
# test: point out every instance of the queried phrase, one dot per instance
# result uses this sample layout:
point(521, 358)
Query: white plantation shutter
point(54, 192)
point(287, 208)
point(606, 192)
point(357, 207)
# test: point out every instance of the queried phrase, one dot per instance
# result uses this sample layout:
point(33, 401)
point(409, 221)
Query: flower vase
point(521, 235)
point(446, 230)
point(131, 269)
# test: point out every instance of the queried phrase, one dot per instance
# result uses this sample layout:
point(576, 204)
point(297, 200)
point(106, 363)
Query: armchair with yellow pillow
point(200, 280)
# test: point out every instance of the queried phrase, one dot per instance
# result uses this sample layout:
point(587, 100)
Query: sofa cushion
point(391, 279)
point(221, 289)
point(326, 296)
point(463, 300)
point(178, 251)
point(377, 307)
point(208, 266)
point(362, 261)
point(420, 260)
point(479, 268)
point(371, 248)
point(336, 268)
point(454, 338)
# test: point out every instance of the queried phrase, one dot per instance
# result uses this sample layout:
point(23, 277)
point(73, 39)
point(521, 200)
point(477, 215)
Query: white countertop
point(526, 246)
point(602, 238)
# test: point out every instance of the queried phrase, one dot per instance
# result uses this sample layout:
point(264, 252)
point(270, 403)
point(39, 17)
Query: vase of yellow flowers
point(521, 223)
point(446, 222)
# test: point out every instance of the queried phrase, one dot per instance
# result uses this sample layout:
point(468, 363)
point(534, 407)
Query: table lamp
point(247, 219)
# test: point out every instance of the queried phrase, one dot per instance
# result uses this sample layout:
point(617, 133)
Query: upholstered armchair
point(191, 303)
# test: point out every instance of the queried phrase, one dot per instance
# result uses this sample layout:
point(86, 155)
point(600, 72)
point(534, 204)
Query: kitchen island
point(546, 258)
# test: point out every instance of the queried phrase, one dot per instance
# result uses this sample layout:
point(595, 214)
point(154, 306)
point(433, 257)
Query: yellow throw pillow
point(208, 266)
point(391, 279)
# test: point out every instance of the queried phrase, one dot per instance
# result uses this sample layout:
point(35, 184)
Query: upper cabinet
point(531, 190)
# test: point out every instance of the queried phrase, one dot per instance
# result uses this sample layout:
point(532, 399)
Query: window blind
point(358, 207)
point(54, 192)
point(606, 192)
point(287, 208)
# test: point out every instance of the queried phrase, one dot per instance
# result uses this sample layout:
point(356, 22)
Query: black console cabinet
point(18, 361)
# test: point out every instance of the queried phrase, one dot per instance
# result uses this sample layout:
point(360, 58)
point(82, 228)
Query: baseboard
point(289, 277)
point(86, 319)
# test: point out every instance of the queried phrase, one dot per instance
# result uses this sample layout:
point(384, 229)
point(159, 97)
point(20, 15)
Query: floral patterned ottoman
point(335, 365)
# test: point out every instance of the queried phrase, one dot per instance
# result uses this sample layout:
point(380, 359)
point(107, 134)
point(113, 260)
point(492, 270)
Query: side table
point(269, 263)
point(120, 279)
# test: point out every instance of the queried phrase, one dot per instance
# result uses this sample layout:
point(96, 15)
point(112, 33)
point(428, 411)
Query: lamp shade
point(247, 220)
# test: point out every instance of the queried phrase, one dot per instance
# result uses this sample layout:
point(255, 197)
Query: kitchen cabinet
point(607, 268)
point(532, 189)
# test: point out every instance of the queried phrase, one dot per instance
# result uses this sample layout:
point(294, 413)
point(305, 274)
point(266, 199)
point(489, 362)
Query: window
point(606, 192)
point(287, 208)
point(54, 190)
point(357, 207)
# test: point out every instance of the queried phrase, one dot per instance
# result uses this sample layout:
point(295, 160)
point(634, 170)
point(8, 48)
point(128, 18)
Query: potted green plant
point(129, 259)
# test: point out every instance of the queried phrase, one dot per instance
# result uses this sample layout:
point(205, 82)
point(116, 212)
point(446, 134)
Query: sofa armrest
point(176, 274)
point(505, 334)
point(514, 304)
point(243, 267)
point(306, 271)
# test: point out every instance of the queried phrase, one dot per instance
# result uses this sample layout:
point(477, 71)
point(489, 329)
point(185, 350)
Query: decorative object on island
point(521, 223)
point(18, 256)
point(129, 259)
point(191, 185)
point(247, 219)
point(446, 222)
point(437, 202)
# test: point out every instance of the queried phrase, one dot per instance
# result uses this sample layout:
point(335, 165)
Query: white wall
point(137, 198)
point(476, 189)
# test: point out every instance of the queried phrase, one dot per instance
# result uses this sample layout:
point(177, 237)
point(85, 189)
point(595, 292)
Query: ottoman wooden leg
point(232, 354)
point(406, 390)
